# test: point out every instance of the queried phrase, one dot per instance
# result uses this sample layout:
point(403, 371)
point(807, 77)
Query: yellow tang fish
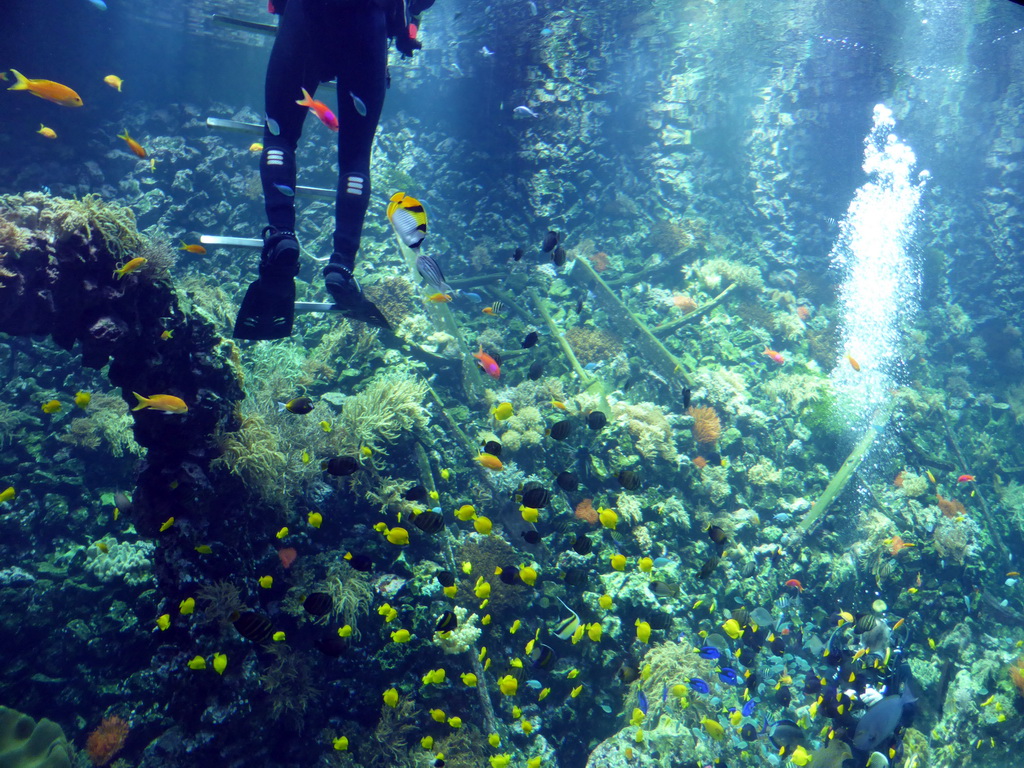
point(113, 81)
point(49, 133)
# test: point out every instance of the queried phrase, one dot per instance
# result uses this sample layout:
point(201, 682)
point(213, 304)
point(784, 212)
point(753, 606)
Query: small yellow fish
point(469, 679)
point(391, 697)
point(605, 601)
point(49, 133)
point(401, 636)
point(305, 458)
point(197, 663)
point(576, 691)
point(594, 632)
point(465, 512)
point(643, 631)
point(434, 495)
point(114, 82)
point(528, 576)
point(204, 549)
point(559, 404)
point(166, 335)
point(608, 518)
point(366, 451)
point(315, 519)
point(166, 524)
point(163, 621)
point(82, 399)
point(529, 514)
point(482, 525)
point(266, 582)
point(931, 476)
point(129, 267)
point(278, 637)
point(187, 606)
point(255, 147)
point(51, 407)
point(508, 685)
point(446, 474)
point(220, 663)
point(438, 715)
point(102, 547)
point(325, 426)
point(714, 728)
point(398, 536)
point(800, 756)
point(282, 533)
point(502, 411)
point(341, 743)
point(345, 631)
point(543, 694)
point(645, 564)
point(455, 722)
point(427, 742)
point(494, 740)
point(7, 494)
point(618, 562)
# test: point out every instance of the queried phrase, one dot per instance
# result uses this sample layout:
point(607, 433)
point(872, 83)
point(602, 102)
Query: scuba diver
point(319, 40)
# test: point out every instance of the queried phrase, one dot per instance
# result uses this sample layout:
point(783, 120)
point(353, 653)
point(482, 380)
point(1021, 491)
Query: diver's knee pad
point(354, 185)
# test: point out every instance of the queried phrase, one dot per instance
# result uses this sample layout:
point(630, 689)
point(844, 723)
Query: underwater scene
point(512, 384)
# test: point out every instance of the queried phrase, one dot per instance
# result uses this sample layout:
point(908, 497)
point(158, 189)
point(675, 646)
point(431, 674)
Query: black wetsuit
point(320, 40)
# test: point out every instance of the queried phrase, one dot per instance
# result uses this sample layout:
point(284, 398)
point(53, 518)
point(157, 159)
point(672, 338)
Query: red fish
point(794, 584)
point(288, 556)
point(488, 363)
point(965, 479)
point(775, 356)
point(319, 109)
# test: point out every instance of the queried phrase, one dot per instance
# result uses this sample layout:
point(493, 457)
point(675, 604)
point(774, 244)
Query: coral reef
point(707, 428)
point(106, 740)
point(593, 345)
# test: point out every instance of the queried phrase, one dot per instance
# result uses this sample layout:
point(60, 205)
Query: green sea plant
point(291, 682)
point(388, 406)
point(106, 423)
point(252, 453)
point(219, 602)
point(351, 594)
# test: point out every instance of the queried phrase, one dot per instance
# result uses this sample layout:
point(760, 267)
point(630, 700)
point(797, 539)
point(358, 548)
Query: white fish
point(273, 127)
point(358, 104)
point(533, 8)
point(486, 51)
point(524, 110)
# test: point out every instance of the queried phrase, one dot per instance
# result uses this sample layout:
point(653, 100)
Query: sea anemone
point(707, 427)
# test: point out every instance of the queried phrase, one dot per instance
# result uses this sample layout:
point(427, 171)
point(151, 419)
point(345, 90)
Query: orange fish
point(130, 267)
point(165, 403)
point(194, 248)
point(965, 479)
point(490, 461)
point(319, 109)
point(776, 357)
point(439, 298)
point(488, 363)
point(133, 145)
point(47, 132)
point(853, 363)
point(47, 89)
point(488, 311)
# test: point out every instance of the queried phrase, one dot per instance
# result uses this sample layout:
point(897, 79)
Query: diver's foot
point(348, 297)
point(342, 285)
point(268, 307)
point(280, 256)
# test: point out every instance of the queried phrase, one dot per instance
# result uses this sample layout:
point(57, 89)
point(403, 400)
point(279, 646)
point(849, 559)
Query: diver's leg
point(268, 307)
point(288, 72)
point(363, 76)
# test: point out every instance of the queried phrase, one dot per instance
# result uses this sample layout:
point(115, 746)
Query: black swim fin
point(268, 310)
point(363, 310)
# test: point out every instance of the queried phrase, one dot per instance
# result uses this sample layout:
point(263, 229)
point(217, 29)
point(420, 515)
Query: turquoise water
point(758, 416)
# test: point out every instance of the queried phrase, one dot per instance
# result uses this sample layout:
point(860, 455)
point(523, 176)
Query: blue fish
point(664, 694)
point(641, 702)
point(748, 708)
point(709, 652)
point(284, 189)
point(98, 4)
point(700, 686)
point(360, 107)
point(728, 676)
point(474, 297)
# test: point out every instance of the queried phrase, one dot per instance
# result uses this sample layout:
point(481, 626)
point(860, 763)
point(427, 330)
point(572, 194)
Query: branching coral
point(291, 681)
point(650, 428)
point(391, 404)
point(351, 594)
point(718, 271)
point(220, 602)
point(395, 297)
point(253, 455)
point(391, 736)
point(707, 427)
point(107, 421)
point(592, 345)
point(58, 217)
